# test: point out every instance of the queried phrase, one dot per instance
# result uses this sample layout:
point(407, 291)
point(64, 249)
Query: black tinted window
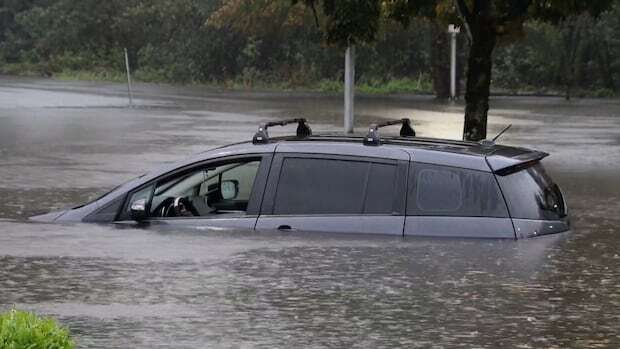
point(381, 193)
point(447, 191)
point(322, 186)
point(531, 194)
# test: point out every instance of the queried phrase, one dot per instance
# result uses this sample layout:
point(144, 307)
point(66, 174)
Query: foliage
point(347, 22)
point(580, 52)
point(421, 85)
point(486, 22)
point(26, 330)
point(276, 43)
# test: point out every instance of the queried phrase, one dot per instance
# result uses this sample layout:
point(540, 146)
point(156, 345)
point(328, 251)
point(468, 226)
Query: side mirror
point(138, 210)
point(229, 189)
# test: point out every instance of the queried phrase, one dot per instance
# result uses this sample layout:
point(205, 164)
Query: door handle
point(285, 227)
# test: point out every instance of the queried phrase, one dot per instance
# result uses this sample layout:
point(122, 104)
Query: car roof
point(471, 155)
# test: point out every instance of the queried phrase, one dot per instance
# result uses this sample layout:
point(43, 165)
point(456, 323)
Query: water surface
point(64, 143)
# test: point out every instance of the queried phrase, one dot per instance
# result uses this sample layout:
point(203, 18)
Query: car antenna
point(490, 143)
point(501, 133)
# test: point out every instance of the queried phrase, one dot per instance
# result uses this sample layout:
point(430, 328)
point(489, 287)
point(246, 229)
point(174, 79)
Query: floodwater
point(62, 143)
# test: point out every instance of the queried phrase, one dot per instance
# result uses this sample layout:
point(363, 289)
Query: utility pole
point(453, 31)
point(349, 89)
point(129, 89)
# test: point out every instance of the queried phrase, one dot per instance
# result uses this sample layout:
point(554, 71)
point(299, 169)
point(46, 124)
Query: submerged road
point(63, 143)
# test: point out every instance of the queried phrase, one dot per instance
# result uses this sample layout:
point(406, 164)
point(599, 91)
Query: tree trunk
point(604, 59)
point(479, 81)
point(571, 43)
point(440, 60)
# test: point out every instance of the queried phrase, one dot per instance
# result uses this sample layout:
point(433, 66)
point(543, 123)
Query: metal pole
point(453, 30)
point(129, 89)
point(349, 89)
point(453, 67)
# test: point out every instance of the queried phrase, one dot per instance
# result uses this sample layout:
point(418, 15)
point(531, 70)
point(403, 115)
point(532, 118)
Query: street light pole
point(129, 89)
point(349, 89)
point(453, 30)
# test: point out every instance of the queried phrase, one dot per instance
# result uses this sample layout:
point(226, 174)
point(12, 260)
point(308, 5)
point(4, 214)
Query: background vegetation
point(21, 330)
point(185, 41)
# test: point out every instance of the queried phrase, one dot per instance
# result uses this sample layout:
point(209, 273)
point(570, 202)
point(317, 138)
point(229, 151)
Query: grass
point(421, 85)
point(245, 82)
point(26, 330)
point(259, 82)
point(95, 75)
point(558, 91)
point(21, 69)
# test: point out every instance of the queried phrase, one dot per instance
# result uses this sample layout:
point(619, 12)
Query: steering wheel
point(183, 207)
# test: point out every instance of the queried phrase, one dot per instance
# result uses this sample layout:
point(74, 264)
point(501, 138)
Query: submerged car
point(402, 185)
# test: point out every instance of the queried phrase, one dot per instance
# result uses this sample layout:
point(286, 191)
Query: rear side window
point(531, 194)
point(329, 186)
point(436, 190)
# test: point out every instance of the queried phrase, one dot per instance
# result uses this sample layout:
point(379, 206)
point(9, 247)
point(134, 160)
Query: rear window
point(436, 190)
point(328, 186)
point(532, 194)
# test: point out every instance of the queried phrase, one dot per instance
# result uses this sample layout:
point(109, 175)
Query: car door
point(225, 193)
point(332, 193)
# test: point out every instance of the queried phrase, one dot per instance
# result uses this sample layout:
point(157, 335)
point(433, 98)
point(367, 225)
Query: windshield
point(532, 194)
point(109, 192)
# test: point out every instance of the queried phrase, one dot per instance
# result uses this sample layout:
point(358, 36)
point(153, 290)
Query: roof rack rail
point(372, 138)
point(262, 136)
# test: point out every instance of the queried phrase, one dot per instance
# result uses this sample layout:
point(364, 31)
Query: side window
point(449, 191)
point(209, 191)
point(439, 190)
point(244, 175)
point(330, 186)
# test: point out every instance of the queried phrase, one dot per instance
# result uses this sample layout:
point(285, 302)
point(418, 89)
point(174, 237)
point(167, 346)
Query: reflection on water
point(187, 289)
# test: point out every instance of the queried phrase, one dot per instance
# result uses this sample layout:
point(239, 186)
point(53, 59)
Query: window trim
point(258, 188)
point(399, 202)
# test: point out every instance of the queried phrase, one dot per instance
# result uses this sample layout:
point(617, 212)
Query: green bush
point(422, 84)
point(100, 74)
point(603, 93)
point(23, 69)
point(330, 86)
point(20, 329)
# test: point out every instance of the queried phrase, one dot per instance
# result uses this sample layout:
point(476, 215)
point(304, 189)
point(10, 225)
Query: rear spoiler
point(503, 165)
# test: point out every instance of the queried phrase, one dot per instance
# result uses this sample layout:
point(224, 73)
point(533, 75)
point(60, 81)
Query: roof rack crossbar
point(373, 138)
point(262, 136)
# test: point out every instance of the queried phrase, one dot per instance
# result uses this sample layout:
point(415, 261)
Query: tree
point(440, 52)
point(301, 42)
point(608, 46)
point(12, 36)
point(343, 23)
point(347, 23)
point(486, 22)
point(574, 34)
